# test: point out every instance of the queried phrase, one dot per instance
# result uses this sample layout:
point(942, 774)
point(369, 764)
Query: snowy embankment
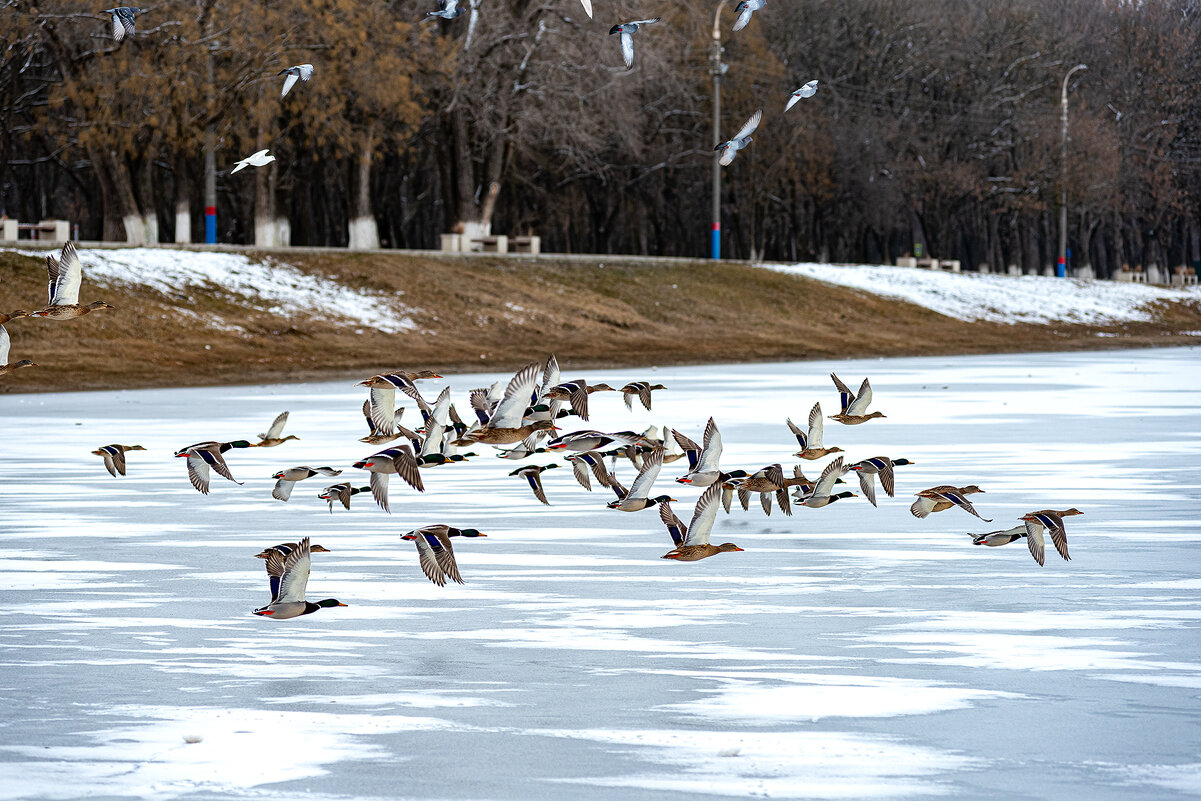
point(1001, 298)
point(268, 286)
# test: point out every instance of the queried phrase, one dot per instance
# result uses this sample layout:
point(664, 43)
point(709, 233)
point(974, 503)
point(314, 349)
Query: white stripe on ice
point(1000, 298)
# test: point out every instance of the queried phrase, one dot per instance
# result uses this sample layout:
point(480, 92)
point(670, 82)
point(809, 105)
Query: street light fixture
point(716, 69)
point(1062, 269)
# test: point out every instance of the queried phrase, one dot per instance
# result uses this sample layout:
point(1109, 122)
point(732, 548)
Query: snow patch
point(1000, 298)
point(270, 286)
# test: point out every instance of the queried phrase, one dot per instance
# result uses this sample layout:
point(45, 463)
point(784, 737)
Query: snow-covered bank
point(269, 286)
point(1001, 298)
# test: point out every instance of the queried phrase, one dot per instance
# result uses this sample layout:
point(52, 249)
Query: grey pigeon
point(627, 31)
point(447, 9)
point(744, 10)
point(122, 20)
point(301, 72)
point(743, 138)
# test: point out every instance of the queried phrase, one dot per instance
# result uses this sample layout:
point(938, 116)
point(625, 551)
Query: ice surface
point(1000, 298)
point(849, 652)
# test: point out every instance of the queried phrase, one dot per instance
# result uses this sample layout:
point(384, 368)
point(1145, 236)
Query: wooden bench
point(525, 244)
point(44, 231)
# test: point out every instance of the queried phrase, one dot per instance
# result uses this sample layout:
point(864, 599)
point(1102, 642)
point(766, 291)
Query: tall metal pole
point(1061, 268)
point(210, 165)
point(715, 69)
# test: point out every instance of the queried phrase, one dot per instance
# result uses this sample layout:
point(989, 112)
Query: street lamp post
point(715, 69)
point(1062, 268)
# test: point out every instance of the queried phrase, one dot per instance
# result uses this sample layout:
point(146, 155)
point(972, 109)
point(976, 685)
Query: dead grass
point(491, 313)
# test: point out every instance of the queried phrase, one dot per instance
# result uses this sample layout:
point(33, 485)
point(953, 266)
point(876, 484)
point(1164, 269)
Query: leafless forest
point(935, 122)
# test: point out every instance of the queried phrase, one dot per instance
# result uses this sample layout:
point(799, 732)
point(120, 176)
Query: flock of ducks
point(523, 414)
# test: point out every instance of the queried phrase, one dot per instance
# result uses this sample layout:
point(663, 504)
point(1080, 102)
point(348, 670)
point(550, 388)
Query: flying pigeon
point(627, 31)
point(743, 138)
point(300, 72)
point(447, 9)
point(808, 90)
point(744, 10)
point(259, 159)
point(122, 21)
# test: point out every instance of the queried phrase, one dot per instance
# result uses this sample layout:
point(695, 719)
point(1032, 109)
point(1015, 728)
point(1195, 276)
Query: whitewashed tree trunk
point(363, 230)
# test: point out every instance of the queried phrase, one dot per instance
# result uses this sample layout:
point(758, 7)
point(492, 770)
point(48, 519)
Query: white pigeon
point(730, 148)
point(301, 72)
point(259, 159)
point(808, 90)
point(744, 11)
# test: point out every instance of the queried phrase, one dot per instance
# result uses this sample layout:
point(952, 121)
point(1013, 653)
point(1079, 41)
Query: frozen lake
point(849, 652)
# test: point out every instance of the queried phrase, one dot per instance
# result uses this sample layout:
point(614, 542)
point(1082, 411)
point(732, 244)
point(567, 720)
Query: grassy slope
point(481, 313)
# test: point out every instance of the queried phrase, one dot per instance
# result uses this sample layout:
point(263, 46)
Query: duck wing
point(277, 427)
point(1054, 526)
point(645, 479)
point(957, 498)
point(66, 276)
point(198, 471)
point(283, 489)
point(379, 490)
point(383, 409)
point(293, 572)
point(710, 457)
point(816, 426)
point(535, 481)
point(512, 406)
point(1034, 539)
point(703, 516)
point(846, 397)
point(407, 467)
point(868, 485)
point(690, 448)
point(436, 556)
point(864, 399)
point(798, 433)
point(825, 483)
point(675, 526)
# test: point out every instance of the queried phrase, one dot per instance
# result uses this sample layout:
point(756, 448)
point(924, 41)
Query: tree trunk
point(183, 202)
point(364, 231)
point(127, 202)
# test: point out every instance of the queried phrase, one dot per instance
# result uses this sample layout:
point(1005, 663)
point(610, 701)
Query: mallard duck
point(377, 438)
point(811, 441)
point(640, 389)
point(382, 399)
point(288, 576)
point(877, 465)
point(533, 474)
point(767, 482)
point(5, 346)
point(589, 440)
point(340, 492)
point(439, 459)
point(635, 499)
point(518, 452)
point(204, 455)
point(286, 548)
point(436, 421)
point(704, 463)
point(114, 457)
point(391, 461)
point(505, 426)
point(435, 554)
point(576, 393)
point(66, 276)
point(1006, 536)
point(854, 407)
point(692, 543)
point(940, 498)
point(286, 479)
point(272, 437)
point(580, 465)
point(821, 494)
point(1051, 521)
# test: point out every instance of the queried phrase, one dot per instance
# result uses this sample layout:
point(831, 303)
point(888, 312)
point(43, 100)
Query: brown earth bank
point(475, 313)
